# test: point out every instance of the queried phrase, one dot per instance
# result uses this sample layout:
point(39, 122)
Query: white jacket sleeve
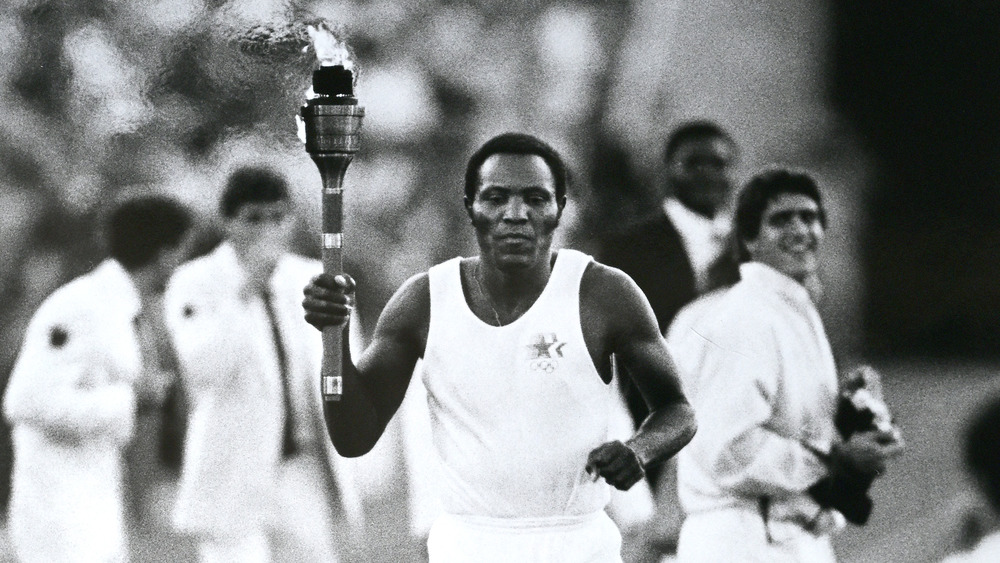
point(61, 385)
point(734, 443)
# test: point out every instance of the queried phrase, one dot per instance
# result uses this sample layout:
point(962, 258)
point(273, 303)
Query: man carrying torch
point(516, 346)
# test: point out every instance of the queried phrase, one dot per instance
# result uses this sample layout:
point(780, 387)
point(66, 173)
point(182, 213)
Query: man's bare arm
point(632, 334)
point(374, 388)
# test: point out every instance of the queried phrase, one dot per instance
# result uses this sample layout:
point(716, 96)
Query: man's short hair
point(760, 191)
point(981, 447)
point(252, 184)
point(693, 130)
point(138, 229)
point(516, 143)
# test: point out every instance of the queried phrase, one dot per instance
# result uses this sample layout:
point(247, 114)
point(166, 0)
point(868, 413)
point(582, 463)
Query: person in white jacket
point(256, 480)
point(758, 367)
point(70, 399)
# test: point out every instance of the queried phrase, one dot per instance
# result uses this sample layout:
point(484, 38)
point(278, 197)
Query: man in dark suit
point(681, 251)
point(678, 253)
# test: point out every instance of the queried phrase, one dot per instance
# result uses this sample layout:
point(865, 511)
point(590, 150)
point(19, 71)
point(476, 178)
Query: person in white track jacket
point(258, 482)
point(71, 400)
point(757, 364)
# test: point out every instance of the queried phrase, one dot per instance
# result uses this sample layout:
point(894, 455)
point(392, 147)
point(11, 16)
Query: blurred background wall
point(892, 105)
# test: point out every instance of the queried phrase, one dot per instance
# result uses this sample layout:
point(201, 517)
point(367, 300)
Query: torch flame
point(329, 50)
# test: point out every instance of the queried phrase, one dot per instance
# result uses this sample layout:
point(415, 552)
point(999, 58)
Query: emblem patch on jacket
point(58, 336)
point(544, 351)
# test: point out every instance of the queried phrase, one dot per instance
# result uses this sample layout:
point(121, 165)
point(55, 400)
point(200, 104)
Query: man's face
point(259, 232)
point(515, 210)
point(790, 233)
point(700, 174)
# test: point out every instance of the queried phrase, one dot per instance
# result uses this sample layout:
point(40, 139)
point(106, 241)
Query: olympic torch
point(332, 119)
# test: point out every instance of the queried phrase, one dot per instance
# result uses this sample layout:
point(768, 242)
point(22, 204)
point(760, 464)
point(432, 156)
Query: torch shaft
point(333, 263)
point(332, 167)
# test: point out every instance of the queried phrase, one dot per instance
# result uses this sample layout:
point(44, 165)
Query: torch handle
point(331, 386)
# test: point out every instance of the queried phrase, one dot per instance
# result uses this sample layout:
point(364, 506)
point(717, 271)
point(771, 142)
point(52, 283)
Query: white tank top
point(515, 409)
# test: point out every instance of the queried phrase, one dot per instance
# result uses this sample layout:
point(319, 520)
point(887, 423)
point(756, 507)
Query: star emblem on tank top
point(544, 350)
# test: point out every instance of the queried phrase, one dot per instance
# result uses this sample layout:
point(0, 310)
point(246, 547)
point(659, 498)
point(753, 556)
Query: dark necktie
point(288, 446)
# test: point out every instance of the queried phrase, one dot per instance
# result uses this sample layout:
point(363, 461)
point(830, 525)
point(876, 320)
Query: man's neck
point(511, 292)
point(515, 281)
point(146, 283)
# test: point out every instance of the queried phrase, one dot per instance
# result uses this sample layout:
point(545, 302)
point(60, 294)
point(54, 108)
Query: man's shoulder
point(600, 276)
point(607, 288)
point(731, 314)
point(412, 297)
point(79, 296)
point(416, 287)
point(205, 274)
point(408, 310)
point(299, 269)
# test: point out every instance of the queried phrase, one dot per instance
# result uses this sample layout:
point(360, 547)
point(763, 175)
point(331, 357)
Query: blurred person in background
point(152, 458)
point(767, 476)
point(516, 347)
point(982, 461)
point(257, 481)
point(677, 254)
point(72, 395)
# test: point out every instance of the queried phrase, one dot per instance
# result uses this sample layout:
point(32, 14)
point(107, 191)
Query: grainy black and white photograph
point(441, 281)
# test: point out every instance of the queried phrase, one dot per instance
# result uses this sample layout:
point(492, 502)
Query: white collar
point(114, 280)
point(686, 220)
point(761, 275)
point(237, 277)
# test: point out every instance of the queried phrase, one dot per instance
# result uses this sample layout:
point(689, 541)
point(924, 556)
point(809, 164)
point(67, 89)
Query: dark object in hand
point(846, 487)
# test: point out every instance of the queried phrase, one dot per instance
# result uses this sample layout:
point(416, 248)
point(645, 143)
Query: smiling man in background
point(681, 251)
point(762, 378)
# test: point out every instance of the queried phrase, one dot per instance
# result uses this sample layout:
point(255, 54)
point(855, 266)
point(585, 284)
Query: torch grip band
point(332, 387)
point(333, 240)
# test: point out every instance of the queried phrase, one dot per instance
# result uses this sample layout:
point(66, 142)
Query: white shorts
point(591, 538)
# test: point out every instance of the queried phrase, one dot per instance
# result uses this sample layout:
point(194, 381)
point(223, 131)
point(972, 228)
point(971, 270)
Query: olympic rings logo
point(545, 364)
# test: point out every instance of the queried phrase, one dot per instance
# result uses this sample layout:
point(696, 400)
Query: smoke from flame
point(329, 50)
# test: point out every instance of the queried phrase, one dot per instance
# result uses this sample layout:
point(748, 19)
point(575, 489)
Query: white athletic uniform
point(758, 370)
point(515, 410)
